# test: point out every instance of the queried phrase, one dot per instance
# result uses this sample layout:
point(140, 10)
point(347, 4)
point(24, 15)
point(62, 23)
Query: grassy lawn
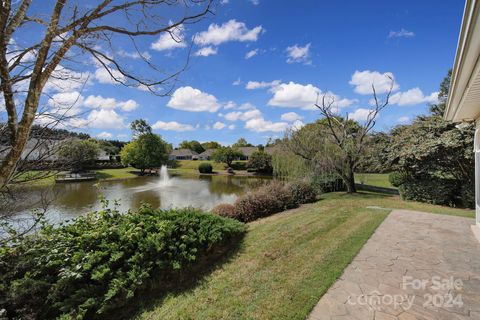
point(111, 174)
point(192, 165)
point(287, 261)
point(374, 179)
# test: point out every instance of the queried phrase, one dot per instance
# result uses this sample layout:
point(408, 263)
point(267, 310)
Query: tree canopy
point(193, 145)
point(226, 155)
point(77, 155)
point(242, 142)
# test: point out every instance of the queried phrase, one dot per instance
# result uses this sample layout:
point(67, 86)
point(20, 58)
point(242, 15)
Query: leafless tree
point(60, 39)
point(337, 143)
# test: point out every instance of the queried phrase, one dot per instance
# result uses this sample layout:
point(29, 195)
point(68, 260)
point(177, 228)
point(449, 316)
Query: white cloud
point(237, 82)
point(251, 54)
point(291, 117)
point(401, 34)
point(103, 119)
point(219, 125)
point(231, 127)
point(255, 2)
point(206, 51)
point(134, 54)
point(413, 97)
point(62, 80)
point(243, 116)
point(251, 85)
point(104, 135)
point(191, 99)
point(110, 76)
point(294, 95)
point(169, 41)
point(110, 103)
point(297, 53)
point(360, 114)
point(297, 125)
point(224, 1)
point(229, 31)
point(172, 126)
point(261, 125)
point(363, 80)
point(403, 119)
point(66, 100)
point(230, 105)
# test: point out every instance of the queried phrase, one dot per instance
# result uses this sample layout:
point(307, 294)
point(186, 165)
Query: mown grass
point(112, 174)
point(192, 165)
point(374, 179)
point(287, 261)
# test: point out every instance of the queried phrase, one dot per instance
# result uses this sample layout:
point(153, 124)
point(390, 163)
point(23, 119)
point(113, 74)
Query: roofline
point(469, 20)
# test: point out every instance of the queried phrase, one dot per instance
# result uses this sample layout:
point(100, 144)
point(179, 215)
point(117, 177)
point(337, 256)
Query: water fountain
point(164, 178)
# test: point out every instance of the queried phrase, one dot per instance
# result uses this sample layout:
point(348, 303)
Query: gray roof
point(247, 151)
point(183, 153)
point(271, 150)
point(207, 153)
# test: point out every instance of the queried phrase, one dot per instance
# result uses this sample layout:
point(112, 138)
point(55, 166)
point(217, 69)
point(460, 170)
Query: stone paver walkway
point(415, 266)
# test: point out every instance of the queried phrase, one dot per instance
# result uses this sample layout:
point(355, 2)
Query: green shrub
point(467, 194)
point(225, 210)
point(430, 189)
point(397, 178)
point(261, 161)
point(327, 183)
point(301, 192)
point(239, 165)
point(95, 266)
point(205, 167)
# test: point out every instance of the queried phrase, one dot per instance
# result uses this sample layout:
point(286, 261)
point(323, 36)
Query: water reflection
point(73, 199)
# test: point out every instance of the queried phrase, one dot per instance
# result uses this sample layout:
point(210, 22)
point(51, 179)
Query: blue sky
point(288, 51)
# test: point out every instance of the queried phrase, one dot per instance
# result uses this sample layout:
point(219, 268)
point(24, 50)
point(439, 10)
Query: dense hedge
point(205, 167)
point(271, 198)
point(435, 190)
point(96, 265)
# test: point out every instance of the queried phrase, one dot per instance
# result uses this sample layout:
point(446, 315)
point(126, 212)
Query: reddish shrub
point(266, 200)
point(301, 192)
point(225, 210)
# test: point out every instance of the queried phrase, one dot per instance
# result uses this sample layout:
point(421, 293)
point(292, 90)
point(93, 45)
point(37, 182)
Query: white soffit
point(464, 98)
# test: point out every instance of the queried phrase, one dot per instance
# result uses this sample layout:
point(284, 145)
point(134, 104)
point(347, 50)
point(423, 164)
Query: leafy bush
point(239, 165)
point(467, 194)
point(397, 178)
point(96, 265)
point(261, 161)
point(301, 192)
point(431, 190)
point(225, 210)
point(205, 167)
point(327, 183)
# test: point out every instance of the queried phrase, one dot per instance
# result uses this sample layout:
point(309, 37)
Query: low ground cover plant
point(98, 264)
point(268, 199)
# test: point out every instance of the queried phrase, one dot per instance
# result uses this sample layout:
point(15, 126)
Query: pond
point(69, 200)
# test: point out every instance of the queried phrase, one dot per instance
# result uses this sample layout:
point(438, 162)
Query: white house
point(463, 103)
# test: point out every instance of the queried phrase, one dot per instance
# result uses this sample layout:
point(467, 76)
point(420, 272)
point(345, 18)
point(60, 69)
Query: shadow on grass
point(185, 280)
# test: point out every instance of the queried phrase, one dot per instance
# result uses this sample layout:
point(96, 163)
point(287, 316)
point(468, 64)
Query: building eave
point(463, 102)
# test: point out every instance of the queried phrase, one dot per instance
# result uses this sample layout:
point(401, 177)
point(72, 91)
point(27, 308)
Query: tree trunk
point(349, 180)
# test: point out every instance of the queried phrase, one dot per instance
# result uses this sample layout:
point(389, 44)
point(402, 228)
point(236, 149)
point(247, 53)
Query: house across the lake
point(206, 155)
point(247, 152)
point(464, 96)
point(183, 154)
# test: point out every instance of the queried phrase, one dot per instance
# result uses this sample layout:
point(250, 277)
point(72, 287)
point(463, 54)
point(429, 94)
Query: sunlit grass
point(288, 260)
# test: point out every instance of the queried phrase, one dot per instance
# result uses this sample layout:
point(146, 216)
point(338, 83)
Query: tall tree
point(193, 145)
point(241, 143)
point(63, 35)
point(335, 143)
point(439, 108)
point(226, 155)
point(146, 151)
point(211, 145)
